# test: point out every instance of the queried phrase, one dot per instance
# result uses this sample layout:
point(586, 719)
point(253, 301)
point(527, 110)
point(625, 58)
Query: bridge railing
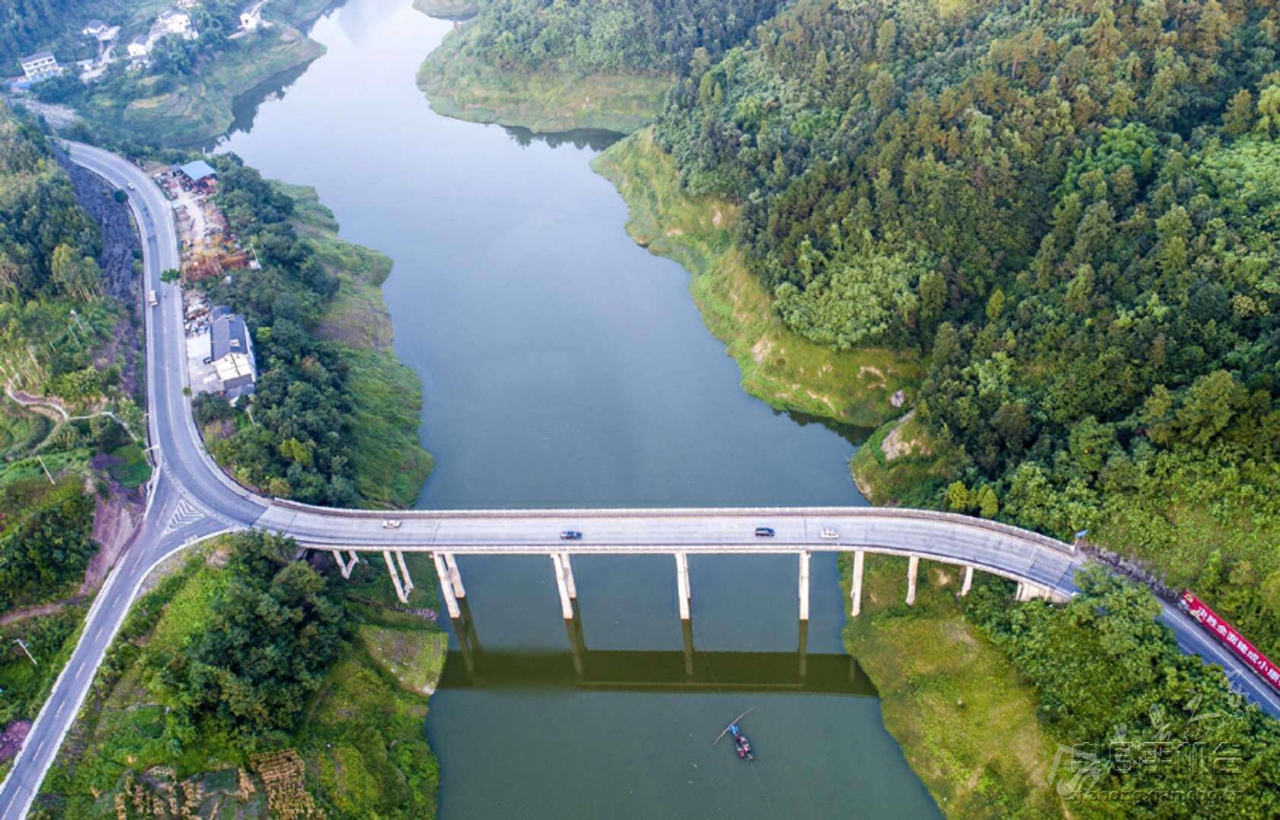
point(886, 513)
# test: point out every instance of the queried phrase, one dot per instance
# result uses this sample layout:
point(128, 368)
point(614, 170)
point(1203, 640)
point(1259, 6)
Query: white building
point(40, 66)
point(139, 47)
point(95, 29)
point(250, 18)
point(175, 21)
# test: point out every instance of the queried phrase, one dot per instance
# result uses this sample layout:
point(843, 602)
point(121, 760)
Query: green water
point(563, 365)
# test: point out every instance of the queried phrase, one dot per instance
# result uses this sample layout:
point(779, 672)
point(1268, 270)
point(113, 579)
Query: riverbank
point(546, 102)
point(198, 107)
point(902, 464)
point(390, 463)
point(965, 720)
point(856, 388)
point(359, 748)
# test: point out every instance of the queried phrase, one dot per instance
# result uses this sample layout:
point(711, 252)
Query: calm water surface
point(565, 366)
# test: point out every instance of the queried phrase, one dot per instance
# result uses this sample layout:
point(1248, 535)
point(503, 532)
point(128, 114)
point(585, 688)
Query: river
point(563, 365)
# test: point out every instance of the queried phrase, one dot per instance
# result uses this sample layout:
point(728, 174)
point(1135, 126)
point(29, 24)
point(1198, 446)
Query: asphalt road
point(191, 499)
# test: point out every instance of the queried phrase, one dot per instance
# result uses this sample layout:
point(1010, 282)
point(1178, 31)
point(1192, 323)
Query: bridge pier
point(913, 565)
point(566, 603)
point(804, 586)
point(802, 647)
point(343, 566)
point(682, 584)
point(446, 586)
point(968, 581)
point(570, 584)
point(855, 588)
point(455, 576)
point(1030, 592)
point(686, 627)
point(404, 570)
point(395, 577)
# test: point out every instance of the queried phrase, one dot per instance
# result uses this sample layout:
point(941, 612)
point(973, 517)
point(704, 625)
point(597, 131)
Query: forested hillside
point(1071, 207)
point(641, 36)
point(25, 24)
point(556, 66)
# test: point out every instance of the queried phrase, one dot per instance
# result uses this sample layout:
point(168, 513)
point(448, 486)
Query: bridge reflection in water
point(471, 666)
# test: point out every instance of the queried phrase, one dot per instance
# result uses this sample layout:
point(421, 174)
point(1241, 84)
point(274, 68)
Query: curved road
point(191, 499)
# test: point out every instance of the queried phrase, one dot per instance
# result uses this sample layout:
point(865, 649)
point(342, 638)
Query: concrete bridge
point(189, 499)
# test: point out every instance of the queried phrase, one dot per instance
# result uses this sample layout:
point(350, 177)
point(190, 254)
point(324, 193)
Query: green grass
point(130, 466)
point(362, 739)
point(547, 102)
point(413, 658)
point(390, 463)
point(20, 429)
point(58, 462)
point(786, 371)
point(965, 720)
point(51, 639)
point(914, 476)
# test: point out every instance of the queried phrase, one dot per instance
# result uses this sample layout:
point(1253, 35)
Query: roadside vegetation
point(245, 683)
point(335, 415)
point(1040, 710)
point(70, 465)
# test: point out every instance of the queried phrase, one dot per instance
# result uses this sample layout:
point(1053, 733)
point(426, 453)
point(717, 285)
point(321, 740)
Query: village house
point(231, 353)
point(40, 66)
point(174, 21)
point(95, 29)
point(139, 47)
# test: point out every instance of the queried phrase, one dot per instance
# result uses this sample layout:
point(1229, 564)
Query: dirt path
point(37, 611)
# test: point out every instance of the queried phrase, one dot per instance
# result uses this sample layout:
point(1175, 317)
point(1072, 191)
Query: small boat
point(741, 742)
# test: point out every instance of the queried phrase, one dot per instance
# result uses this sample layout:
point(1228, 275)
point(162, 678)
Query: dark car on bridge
point(764, 532)
point(570, 535)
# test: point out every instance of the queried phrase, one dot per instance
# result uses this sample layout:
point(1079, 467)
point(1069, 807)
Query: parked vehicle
point(152, 299)
point(764, 532)
point(570, 535)
point(391, 524)
point(829, 534)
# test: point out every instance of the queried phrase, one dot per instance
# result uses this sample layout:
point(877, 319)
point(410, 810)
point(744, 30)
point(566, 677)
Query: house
point(40, 66)
point(251, 17)
point(198, 174)
point(175, 21)
point(231, 352)
point(139, 47)
point(95, 29)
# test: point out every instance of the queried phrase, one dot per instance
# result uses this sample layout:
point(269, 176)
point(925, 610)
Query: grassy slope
point(900, 463)
point(362, 741)
point(777, 366)
point(966, 722)
point(548, 102)
point(389, 460)
point(200, 109)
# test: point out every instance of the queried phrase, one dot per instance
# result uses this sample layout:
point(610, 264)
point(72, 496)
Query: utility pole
point(46, 469)
point(23, 644)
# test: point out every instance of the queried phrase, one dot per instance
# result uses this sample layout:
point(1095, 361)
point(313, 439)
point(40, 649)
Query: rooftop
point(198, 170)
point(38, 56)
point(228, 336)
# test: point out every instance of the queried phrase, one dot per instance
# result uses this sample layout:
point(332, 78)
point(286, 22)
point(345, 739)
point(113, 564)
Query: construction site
point(209, 248)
